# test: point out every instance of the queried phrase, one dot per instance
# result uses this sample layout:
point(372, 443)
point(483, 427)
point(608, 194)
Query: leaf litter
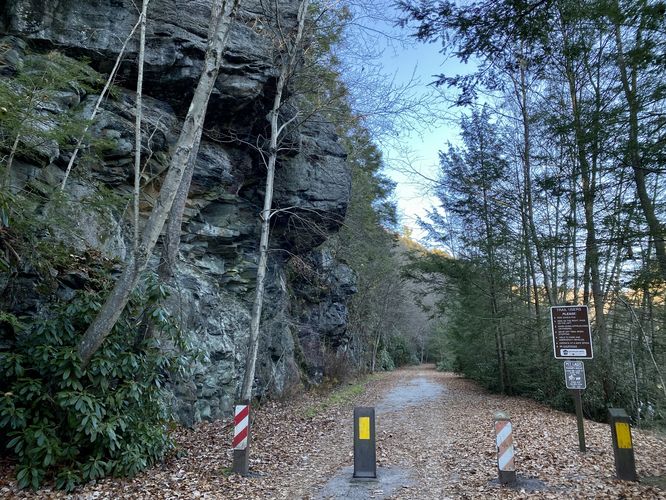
point(445, 443)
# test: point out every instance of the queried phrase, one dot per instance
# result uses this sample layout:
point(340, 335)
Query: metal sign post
point(574, 376)
point(571, 332)
point(578, 402)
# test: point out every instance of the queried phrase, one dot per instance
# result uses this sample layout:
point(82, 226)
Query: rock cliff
point(305, 309)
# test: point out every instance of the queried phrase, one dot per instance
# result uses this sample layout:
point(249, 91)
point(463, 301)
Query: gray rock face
point(175, 43)
point(322, 286)
point(213, 286)
point(313, 188)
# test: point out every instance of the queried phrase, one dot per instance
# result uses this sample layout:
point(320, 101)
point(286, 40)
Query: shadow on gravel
point(526, 484)
point(657, 481)
point(417, 392)
point(342, 485)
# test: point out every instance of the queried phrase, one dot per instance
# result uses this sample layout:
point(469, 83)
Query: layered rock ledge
point(305, 309)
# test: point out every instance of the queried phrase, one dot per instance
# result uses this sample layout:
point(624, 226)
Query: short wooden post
point(623, 448)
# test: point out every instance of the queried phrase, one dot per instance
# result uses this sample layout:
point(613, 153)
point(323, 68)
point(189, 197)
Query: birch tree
point(186, 148)
point(137, 124)
point(291, 47)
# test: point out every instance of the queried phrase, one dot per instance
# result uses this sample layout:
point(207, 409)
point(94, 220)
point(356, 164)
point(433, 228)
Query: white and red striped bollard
point(506, 465)
point(241, 440)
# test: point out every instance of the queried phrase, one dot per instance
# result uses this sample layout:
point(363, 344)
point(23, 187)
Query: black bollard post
point(623, 448)
point(365, 454)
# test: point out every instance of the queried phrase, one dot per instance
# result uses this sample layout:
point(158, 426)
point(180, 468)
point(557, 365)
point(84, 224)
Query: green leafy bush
point(401, 352)
point(385, 361)
point(38, 103)
point(443, 366)
point(74, 425)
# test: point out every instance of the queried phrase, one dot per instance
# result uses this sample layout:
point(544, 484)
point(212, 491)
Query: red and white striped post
point(241, 441)
point(506, 465)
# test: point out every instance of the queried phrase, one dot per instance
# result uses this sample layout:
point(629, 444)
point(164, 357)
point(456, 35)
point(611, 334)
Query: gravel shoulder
point(435, 440)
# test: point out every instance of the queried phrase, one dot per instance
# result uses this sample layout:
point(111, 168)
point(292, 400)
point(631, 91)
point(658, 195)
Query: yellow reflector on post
point(625, 465)
point(623, 435)
point(364, 428)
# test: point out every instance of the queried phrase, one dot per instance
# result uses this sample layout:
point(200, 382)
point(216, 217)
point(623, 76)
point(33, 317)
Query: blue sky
point(384, 61)
point(419, 148)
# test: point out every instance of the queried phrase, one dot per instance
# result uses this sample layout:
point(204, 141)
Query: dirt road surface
point(435, 440)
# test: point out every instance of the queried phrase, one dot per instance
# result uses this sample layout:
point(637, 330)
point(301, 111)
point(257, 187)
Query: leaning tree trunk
point(288, 65)
point(174, 225)
point(630, 88)
point(99, 329)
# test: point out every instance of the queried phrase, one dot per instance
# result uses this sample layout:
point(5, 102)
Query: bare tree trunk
point(521, 92)
point(554, 252)
point(530, 278)
point(288, 65)
point(574, 233)
point(588, 177)
point(175, 222)
point(568, 242)
point(99, 329)
point(137, 124)
point(592, 255)
point(375, 350)
point(589, 184)
point(10, 160)
point(586, 279)
point(171, 246)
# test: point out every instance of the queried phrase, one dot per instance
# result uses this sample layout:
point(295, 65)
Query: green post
point(623, 448)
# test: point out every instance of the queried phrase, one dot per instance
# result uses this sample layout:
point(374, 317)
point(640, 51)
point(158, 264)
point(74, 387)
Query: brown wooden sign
point(572, 338)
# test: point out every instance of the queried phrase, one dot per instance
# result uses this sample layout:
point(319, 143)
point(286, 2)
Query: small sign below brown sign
point(574, 375)
point(572, 338)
